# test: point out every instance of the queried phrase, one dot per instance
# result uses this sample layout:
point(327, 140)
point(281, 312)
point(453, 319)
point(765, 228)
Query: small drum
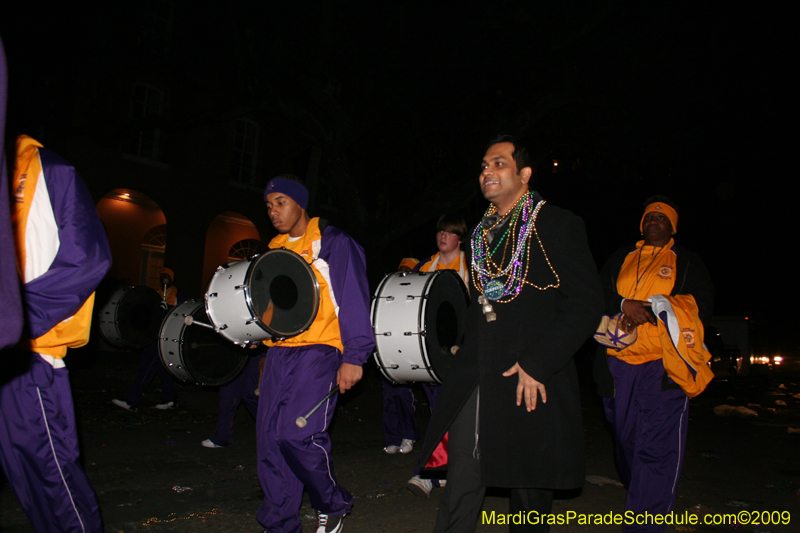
point(417, 317)
point(196, 353)
point(131, 317)
point(274, 294)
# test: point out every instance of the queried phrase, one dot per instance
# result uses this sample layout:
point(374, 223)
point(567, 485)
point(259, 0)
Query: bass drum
point(417, 317)
point(274, 294)
point(195, 353)
point(131, 317)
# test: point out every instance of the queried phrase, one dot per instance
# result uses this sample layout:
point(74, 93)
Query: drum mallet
point(303, 420)
point(189, 320)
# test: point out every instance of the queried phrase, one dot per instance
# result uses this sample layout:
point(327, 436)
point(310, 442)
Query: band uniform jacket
point(691, 277)
point(542, 330)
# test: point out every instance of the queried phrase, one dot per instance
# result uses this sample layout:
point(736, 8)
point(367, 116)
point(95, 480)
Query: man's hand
point(347, 376)
point(637, 313)
point(527, 387)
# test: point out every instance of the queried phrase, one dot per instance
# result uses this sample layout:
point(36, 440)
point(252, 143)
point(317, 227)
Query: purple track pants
point(39, 449)
point(650, 432)
point(290, 457)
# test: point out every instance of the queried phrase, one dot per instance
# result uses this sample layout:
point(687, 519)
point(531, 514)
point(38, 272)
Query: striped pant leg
point(39, 451)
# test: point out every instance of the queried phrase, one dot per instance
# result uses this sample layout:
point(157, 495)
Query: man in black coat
point(510, 397)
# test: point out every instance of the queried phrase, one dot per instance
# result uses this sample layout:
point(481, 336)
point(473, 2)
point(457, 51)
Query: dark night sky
point(692, 104)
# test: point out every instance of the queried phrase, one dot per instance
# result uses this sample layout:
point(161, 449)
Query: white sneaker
point(125, 405)
point(208, 443)
point(329, 524)
point(165, 406)
point(391, 449)
point(419, 486)
point(406, 446)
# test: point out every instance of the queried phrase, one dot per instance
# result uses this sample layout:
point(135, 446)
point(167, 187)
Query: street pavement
point(151, 474)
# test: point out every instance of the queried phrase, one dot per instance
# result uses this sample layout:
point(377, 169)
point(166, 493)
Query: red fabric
point(439, 455)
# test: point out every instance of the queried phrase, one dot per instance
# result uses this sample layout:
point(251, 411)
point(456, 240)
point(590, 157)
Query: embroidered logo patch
point(688, 337)
point(665, 272)
point(19, 194)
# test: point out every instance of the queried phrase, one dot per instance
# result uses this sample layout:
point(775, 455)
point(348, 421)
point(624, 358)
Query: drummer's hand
point(347, 376)
point(527, 388)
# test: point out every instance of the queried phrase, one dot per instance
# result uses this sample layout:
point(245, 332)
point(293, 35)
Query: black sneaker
point(329, 524)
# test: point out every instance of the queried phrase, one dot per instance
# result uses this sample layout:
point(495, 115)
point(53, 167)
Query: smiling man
point(510, 399)
point(301, 370)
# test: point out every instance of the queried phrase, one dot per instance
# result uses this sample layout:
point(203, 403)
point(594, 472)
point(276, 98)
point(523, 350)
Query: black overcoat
point(542, 330)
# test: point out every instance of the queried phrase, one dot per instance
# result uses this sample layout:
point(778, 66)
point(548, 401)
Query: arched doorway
point(137, 233)
point(230, 237)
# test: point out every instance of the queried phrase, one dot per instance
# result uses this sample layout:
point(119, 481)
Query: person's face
point(283, 212)
point(501, 182)
point(165, 279)
point(657, 229)
point(447, 242)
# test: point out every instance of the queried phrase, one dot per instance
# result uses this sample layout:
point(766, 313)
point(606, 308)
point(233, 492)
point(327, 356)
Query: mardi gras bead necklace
point(487, 274)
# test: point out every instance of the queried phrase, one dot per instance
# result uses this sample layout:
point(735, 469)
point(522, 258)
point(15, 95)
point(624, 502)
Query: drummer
point(301, 370)
point(150, 363)
point(400, 429)
point(451, 231)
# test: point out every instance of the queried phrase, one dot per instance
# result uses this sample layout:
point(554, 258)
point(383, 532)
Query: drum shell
point(229, 305)
point(239, 292)
point(214, 362)
point(131, 317)
point(409, 312)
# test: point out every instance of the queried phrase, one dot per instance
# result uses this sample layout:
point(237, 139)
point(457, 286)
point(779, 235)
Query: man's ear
point(526, 174)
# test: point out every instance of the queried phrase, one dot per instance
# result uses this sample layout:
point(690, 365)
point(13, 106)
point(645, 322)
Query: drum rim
point(249, 300)
point(185, 372)
point(423, 327)
point(162, 339)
